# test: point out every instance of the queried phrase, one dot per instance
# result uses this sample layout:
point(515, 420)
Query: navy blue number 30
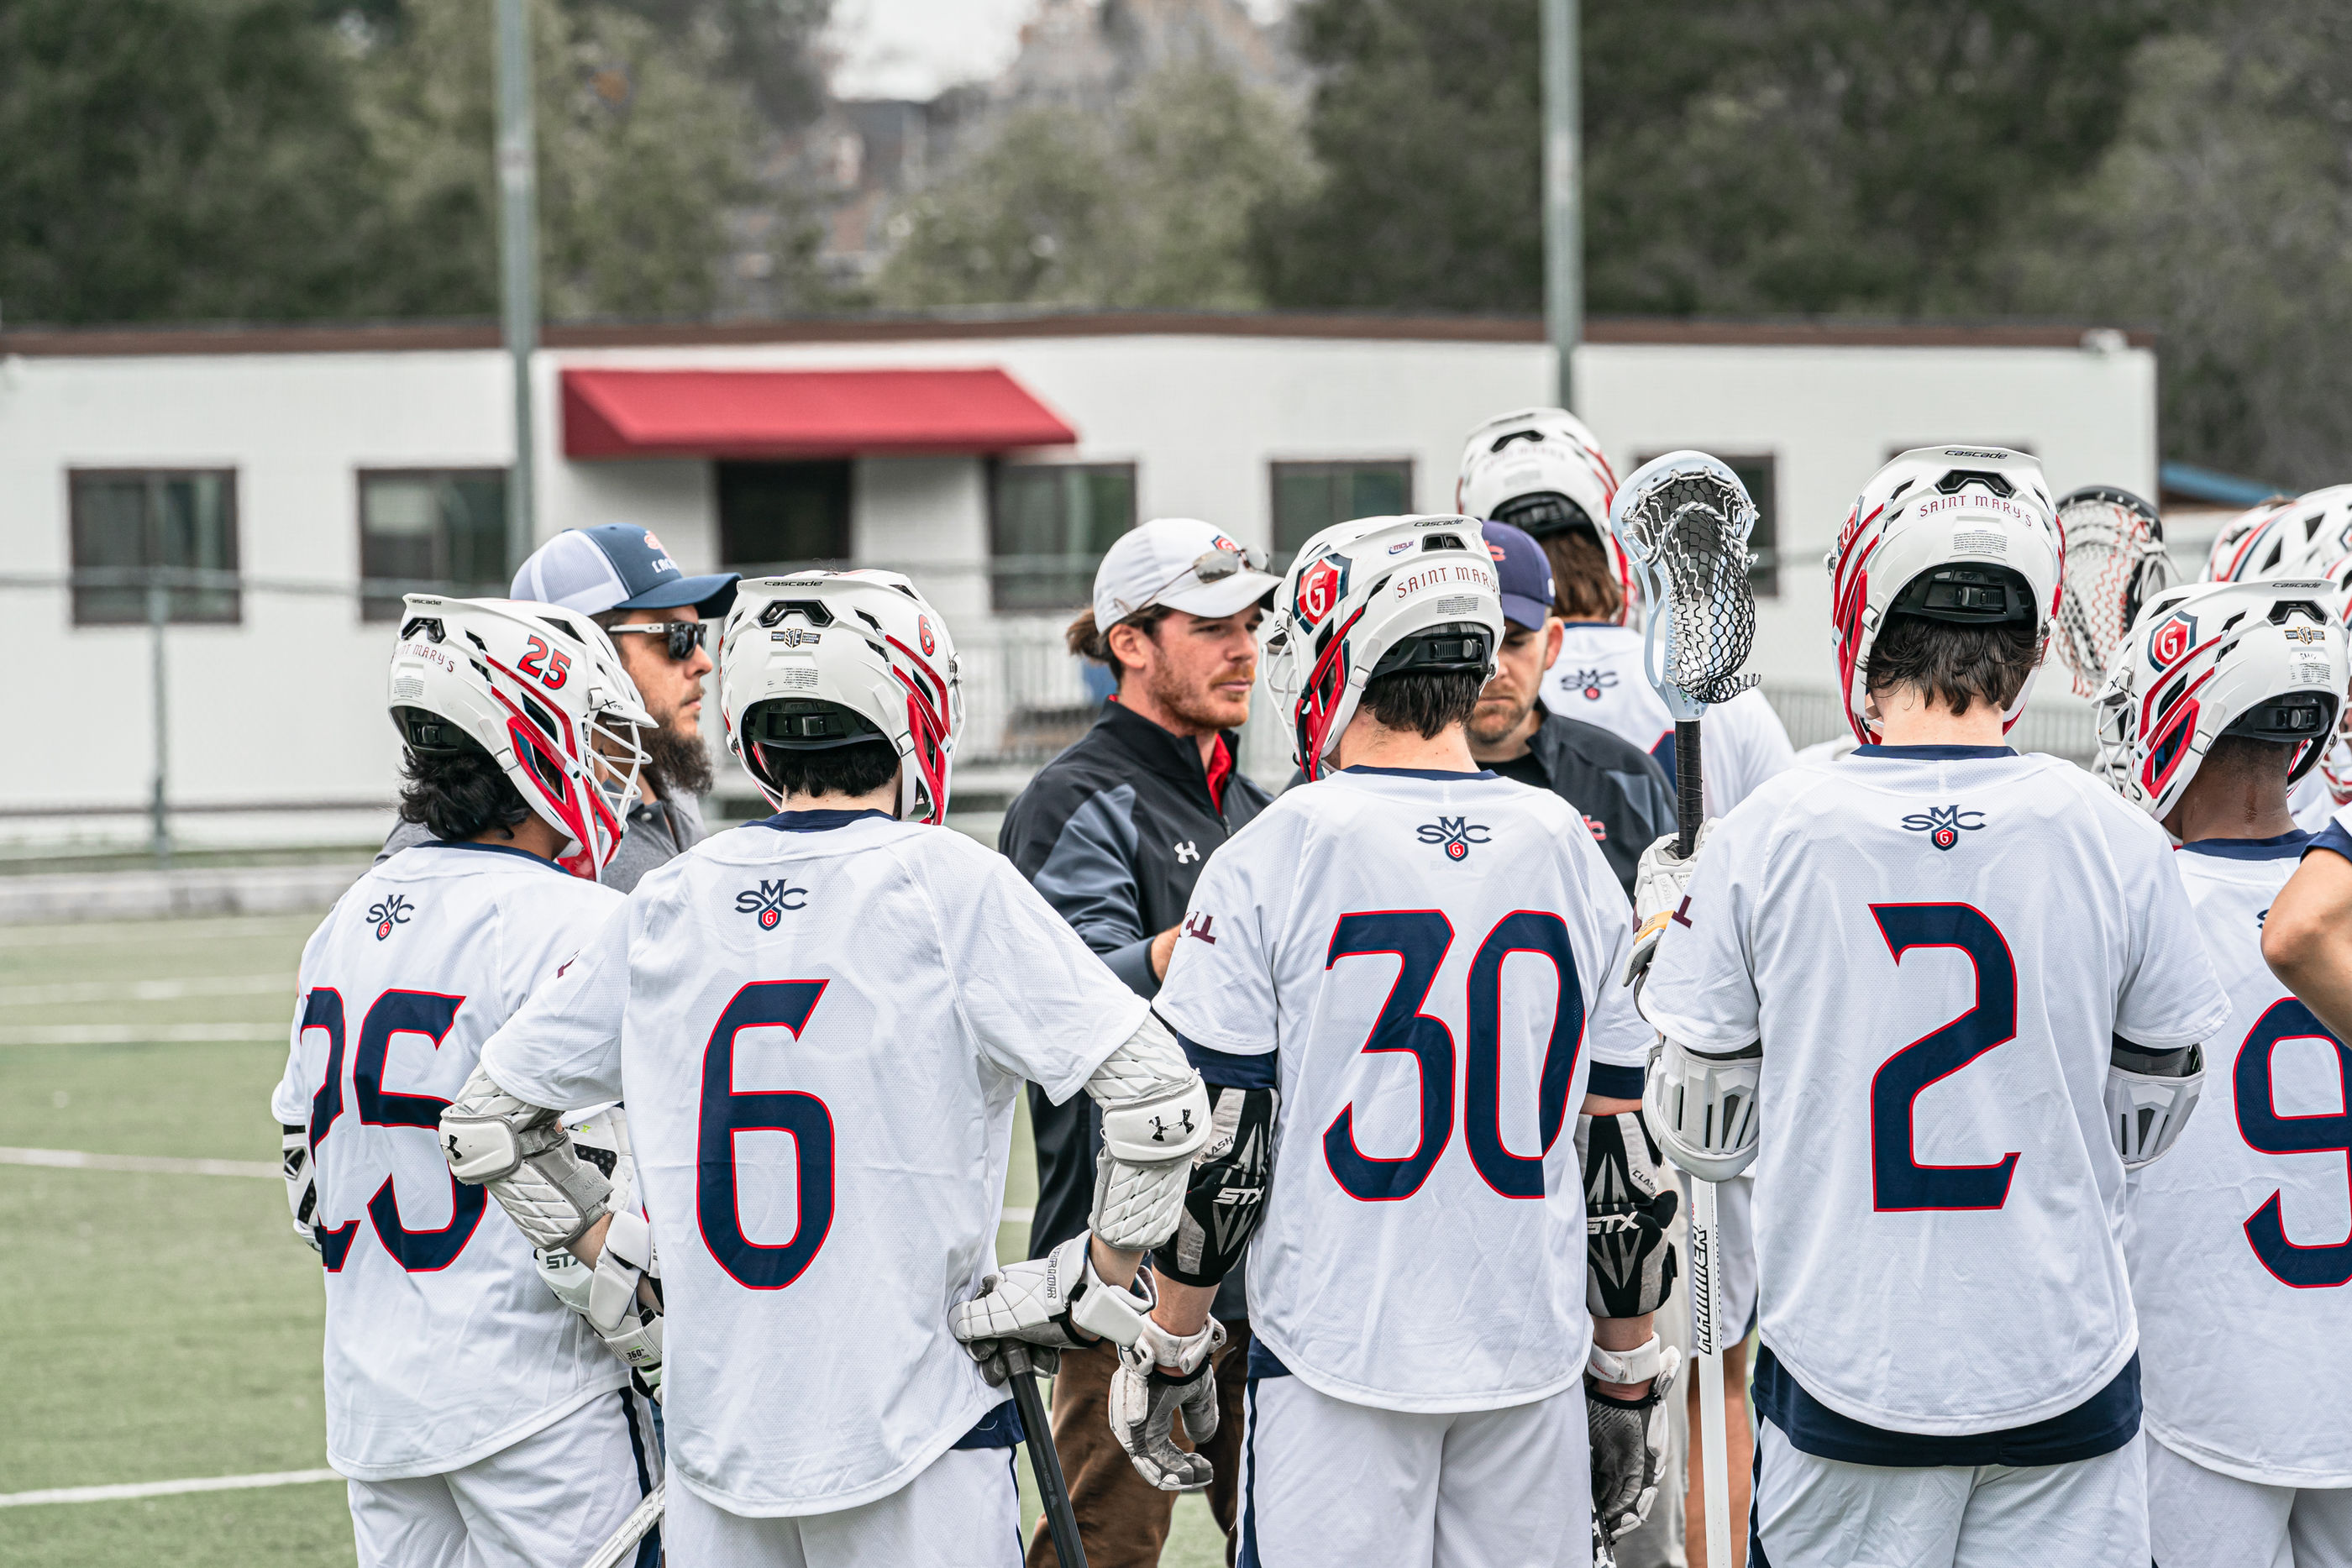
point(1899, 1181)
point(2326, 1264)
point(726, 1112)
point(1420, 939)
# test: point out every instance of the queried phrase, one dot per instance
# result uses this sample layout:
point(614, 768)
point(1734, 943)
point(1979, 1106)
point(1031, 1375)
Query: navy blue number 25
point(1899, 1181)
point(2326, 1264)
point(726, 1111)
point(1420, 940)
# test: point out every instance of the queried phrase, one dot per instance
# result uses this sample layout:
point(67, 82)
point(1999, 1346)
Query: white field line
point(137, 1033)
point(75, 991)
point(165, 1489)
point(157, 1165)
point(1018, 1217)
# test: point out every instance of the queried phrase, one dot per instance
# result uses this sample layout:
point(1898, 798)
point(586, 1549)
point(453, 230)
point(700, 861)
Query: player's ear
point(1555, 632)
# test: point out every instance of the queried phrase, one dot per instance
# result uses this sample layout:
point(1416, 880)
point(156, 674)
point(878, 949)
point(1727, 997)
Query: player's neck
point(1367, 743)
point(1907, 717)
point(534, 835)
point(884, 799)
point(2234, 807)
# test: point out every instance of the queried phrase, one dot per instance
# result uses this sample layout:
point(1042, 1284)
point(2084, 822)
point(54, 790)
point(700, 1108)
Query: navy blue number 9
point(1899, 1181)
point(726, 1112)
point(2258, 1123)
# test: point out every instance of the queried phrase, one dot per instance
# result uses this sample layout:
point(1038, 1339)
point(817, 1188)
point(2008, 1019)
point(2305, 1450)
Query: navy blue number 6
point(2326, 1264)
point(726, 1112)
point(1899, 1181)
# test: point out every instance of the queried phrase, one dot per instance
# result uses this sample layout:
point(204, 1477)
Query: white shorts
point(552, 1498)
point(962, 1511)
point(1811, 1512)
point(2198, 1518)
point(1324, 1480)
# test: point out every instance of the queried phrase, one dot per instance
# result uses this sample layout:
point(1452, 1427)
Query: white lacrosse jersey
point(444, 1345)
point(2313, 807)
point(1598, 678)
point(1429, 964)
point(2241, 1237)
point(820, 1023)
point(1937, 946)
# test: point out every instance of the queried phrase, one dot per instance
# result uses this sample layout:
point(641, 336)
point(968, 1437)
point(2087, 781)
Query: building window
point(1758, 475)
point(433, 530)
point(1310, 497)
point(1049, 526)
point(126, 522)
point(782, 514)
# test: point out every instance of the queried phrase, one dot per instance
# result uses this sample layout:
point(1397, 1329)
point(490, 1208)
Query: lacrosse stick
point(2114, 563)
point(1684, 521)
point(634, 1529)
point(1061, 1523)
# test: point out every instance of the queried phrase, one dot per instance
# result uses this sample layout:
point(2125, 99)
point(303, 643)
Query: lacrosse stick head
point(2114, 563)
point(1683, 521)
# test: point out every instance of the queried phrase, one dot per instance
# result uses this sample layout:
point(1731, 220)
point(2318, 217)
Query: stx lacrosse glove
point(1050, 1303)
point(1145, 1397)
point(1628, 1435)
point(301, 1184)
point(1629, 1199)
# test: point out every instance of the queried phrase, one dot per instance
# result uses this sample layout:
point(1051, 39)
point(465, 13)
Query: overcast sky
point(912, 48)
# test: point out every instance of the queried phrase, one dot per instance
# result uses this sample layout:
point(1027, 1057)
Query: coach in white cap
point(621, 577)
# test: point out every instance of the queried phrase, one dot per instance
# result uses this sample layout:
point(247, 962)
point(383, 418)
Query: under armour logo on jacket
point(1186, 852)
point(1944, 824)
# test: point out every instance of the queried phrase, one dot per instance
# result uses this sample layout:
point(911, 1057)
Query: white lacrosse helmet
point(1965, 534)
point(2253, 544)
point(817, 660)
point(2336, 757)
point(2114, 563)
point(2264, 660)
point(2318, 528)
point(1542, 471)
point(542, 690)
point(1375, 597)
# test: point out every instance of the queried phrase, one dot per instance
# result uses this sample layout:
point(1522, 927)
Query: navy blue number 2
point(1899, 1181)
point(2258, 1123)
point(1420, 940)
point(727, 1111)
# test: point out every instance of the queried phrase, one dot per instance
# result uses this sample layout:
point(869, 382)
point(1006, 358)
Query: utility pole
point(1563, 176)
point(518, 260)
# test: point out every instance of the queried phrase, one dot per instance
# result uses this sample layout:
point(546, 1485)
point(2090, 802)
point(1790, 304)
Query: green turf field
point(170, 1328)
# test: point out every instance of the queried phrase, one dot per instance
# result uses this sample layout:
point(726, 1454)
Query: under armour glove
point(1146, 1395)
point(1628, 1440)
point(1630, 1200)
point(1050, 1303)
point(1660, 883)
point(302, 1183)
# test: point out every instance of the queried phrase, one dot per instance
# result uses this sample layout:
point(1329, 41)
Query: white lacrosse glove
point(1145, 1397)
point(1628, 1435)
point(1660, 883)
point(1049, 1303)
point(301, 1184)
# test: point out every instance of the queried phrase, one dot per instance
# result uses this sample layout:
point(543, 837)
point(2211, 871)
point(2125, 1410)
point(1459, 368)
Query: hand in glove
point(1661, 882)
point(1048, 1303)
point(1628, 1445)
point(1158, 1375)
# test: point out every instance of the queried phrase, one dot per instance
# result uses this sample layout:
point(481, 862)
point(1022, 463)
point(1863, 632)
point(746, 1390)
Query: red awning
point(801, 414)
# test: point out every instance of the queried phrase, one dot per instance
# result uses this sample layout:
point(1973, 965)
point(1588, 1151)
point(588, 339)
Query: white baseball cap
point(1183, 563)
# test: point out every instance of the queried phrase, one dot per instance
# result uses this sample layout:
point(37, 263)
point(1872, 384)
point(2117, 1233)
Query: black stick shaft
point(1061, 1522)
point(1690, 800)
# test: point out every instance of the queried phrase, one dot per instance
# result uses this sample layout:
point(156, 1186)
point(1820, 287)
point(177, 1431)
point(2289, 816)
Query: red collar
point(1221, 767)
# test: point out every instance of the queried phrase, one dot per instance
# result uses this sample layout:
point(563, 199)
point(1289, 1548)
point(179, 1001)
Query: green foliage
point(1065, 207)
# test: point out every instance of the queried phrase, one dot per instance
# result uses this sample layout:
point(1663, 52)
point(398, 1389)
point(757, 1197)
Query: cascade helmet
point(2253, 544)
point(817, 660)
point(1963, 534)
point(1542, 471)
point(1374, 597)
point(543, 690)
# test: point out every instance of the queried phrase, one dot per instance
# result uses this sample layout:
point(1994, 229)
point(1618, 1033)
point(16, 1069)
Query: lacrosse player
point(1918, 988)
point(2233, 1239)
point(478, 1421)
point(823, 1020)
point(1403, 948)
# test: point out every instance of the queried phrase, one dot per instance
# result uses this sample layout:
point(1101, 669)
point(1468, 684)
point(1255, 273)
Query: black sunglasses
point(685, 636)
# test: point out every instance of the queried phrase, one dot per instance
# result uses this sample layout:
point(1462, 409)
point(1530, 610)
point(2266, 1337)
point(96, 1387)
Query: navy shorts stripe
point(648, 1548)
point(1248, 1556)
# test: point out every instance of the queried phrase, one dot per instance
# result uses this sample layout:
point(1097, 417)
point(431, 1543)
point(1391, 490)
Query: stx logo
point(1186, 852)
point(1198, 925)
point(1591, 683)
point(1456, 833)
point(1159, 1126)
point(1944, 824)
point(769, 900)
point(395, 910)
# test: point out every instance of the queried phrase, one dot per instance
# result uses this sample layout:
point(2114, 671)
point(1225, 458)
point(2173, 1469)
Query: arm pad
point(1702, 1109)
point(523, 1153)
point(1227, 1192)
point(2149, 1096)
point(1155, 1112)
point(1630, 1198)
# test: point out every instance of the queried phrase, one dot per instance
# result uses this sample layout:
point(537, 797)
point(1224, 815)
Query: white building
point(307, 457)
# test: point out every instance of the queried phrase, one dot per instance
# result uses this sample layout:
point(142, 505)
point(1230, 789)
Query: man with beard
point(1114, 832)
point(620, 576)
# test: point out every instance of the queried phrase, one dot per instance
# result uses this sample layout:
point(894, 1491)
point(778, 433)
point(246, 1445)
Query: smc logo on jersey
point(1592, 683)
point(1456, 833)
point(769, 900)
point(1944, 824)
point(2172, 640)
point(390, 910)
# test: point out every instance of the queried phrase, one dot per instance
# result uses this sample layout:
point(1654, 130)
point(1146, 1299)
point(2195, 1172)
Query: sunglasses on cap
point(1210, 566)
point(685, 636)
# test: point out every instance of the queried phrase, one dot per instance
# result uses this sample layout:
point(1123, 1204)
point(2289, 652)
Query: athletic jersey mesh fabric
point(442, 1344)
point(1937, 946)
point(1598, 678)
point(1433, 959)
point(821, 1023)
point(2238, 1237)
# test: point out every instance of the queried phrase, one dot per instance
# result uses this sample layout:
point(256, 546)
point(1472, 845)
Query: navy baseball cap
point(1525, 573)
point(618, 566)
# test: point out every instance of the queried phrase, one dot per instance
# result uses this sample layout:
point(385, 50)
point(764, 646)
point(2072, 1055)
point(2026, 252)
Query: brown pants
point(1123, 1519)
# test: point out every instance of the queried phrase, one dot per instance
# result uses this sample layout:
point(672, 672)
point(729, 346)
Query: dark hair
point(1086, 643)
point(2246, 757)
point(1424, 701)
point(459, 794)
point(859, 769)
point(1581, 588)
point(1951, 662)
